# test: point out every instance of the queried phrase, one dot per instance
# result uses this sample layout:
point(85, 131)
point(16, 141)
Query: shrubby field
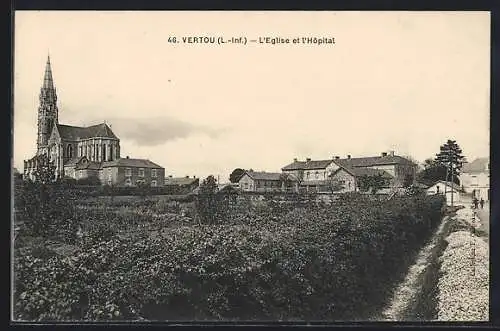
point(212, 258)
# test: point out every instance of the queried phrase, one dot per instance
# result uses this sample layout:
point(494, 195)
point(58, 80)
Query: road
point(484, 216)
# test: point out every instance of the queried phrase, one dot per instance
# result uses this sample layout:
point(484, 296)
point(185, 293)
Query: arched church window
point(69, 151)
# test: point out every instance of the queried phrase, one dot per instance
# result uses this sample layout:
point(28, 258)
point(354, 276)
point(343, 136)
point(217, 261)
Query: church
point(83, 152)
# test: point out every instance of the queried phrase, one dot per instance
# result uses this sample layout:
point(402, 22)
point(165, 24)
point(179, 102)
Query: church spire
point(48, 82)
point(47, 110)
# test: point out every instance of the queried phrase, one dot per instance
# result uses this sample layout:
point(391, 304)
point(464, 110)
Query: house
point(260, 181)
point(349, 178)
point(318, 173)
point(131, 172)
point(184, 183)
point(475, 178)
point(451, 190)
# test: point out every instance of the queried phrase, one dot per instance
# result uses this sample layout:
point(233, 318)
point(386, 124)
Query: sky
point(401, 81)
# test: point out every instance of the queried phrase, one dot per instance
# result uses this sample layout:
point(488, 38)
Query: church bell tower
point(47, 110)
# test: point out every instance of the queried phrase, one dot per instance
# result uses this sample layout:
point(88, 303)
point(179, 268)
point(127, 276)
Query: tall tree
point(450, 156)
point(235, 176)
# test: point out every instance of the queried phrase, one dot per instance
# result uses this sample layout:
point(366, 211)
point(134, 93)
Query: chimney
point(295, 160)
point(349, 156)
point(391, 153)
point(194, 176)
point(384, 154)
point(336, 157)
point(308, 159)
point(127, 157)
point(187, 176)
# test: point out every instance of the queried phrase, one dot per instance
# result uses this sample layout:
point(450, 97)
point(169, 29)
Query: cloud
point(158, 130)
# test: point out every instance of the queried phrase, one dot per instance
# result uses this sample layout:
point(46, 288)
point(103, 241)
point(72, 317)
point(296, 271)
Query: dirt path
point(484, 216)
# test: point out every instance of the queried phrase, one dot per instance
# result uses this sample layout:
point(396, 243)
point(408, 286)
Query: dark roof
point(478, 165)
point(373, 161)
point(296, 165)
point(349, 162)
point(261, 175)
point(422, 185)
point(69, 132)
point(133, 163)
point(91, 165)
point(181, 181)
point(308, 165)
point(74, 161)
point(449, 184)
point(370, 172)
point(358, 172)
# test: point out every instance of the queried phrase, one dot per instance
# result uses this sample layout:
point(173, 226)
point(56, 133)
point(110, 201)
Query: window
point(141, 172)
point(70, 151)
point(153, 173)
point(153, 183)
point(128, 172)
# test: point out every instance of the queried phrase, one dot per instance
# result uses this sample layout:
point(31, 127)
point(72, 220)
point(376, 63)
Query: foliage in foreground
point(330, 263)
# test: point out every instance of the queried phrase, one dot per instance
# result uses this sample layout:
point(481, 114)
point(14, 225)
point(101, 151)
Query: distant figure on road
point(475, 202)
point(481, 202)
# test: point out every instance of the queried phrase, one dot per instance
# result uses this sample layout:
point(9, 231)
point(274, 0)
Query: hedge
point(337, 262)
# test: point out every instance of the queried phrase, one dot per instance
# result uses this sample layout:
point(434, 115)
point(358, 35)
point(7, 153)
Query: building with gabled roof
point(182, 184)
point(84, 151)
point(450, 190)
point(475, 178)
point(261, 181)
point(399, 171)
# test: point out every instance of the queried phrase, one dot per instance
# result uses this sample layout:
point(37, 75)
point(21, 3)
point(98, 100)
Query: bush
point(338, 262)
point(48, 209)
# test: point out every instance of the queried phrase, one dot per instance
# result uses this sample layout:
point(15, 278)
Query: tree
point(408, 180)
point(235, 176)
point(371, 183)
point(433, 171)
point(450, 157)
point(206, 202)
point(47, 206)
point(143, 188)
point(286, 181)
point(334, 184)
point(45, 170)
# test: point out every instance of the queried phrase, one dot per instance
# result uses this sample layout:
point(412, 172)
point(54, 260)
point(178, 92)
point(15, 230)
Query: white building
point(446, 188)
point(475, 178)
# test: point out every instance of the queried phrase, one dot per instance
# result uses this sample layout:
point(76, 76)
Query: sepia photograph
point(250, 166)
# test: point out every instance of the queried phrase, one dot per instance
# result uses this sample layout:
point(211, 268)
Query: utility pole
point(446, 186)
point(451, 169)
